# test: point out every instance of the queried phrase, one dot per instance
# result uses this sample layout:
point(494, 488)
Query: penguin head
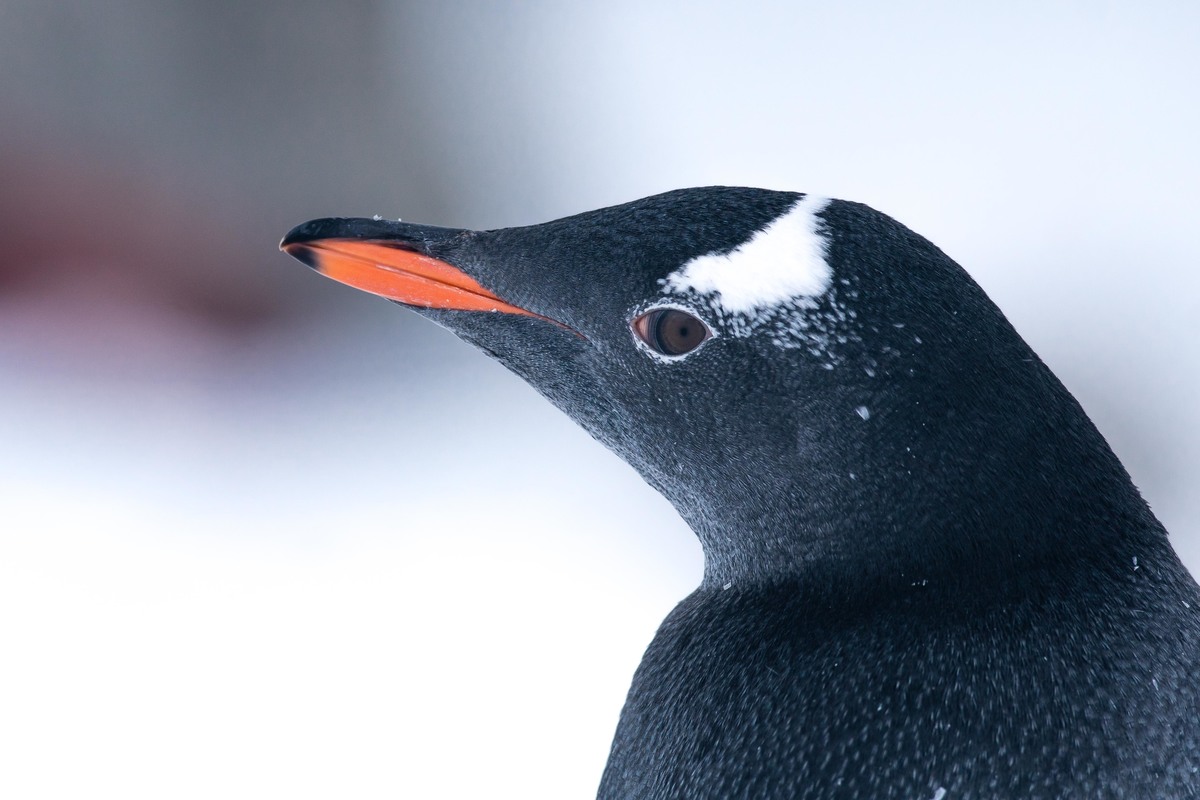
point(811, 384)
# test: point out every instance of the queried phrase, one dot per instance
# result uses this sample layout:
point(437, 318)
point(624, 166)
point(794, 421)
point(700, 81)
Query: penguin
point(926, 575)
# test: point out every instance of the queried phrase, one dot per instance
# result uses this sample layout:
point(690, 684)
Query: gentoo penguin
point(927, 577)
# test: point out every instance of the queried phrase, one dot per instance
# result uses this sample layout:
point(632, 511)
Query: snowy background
point(265, 536)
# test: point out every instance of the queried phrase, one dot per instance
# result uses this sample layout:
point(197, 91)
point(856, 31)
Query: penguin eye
point(670, 331)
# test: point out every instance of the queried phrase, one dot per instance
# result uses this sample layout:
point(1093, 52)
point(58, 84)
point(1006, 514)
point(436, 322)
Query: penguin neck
point(973, 494)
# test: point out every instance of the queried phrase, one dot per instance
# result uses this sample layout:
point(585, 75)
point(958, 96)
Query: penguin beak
point(390, 259)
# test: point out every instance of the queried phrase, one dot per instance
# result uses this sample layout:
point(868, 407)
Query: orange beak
point(386, 269)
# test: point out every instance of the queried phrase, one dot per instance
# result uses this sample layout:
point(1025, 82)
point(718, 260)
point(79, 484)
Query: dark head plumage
point(873, 460)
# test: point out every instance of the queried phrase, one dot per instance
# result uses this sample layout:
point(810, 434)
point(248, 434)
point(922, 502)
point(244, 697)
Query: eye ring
point(669, 331)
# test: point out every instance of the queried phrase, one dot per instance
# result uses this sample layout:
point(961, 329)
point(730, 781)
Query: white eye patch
point(781, 264)
point(779, 285)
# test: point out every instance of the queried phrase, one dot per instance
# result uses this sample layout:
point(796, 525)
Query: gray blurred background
point(262, 535)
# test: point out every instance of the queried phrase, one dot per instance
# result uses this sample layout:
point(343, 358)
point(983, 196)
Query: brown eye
point(670, 331)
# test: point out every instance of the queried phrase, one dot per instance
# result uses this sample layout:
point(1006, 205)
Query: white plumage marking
point(784, 261)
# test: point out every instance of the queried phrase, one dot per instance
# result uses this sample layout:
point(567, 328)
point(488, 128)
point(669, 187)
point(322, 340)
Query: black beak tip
point(299, 241)
point(310, 231)
point(302, 253)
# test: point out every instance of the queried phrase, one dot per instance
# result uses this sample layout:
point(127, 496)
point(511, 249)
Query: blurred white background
point(264, 536)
